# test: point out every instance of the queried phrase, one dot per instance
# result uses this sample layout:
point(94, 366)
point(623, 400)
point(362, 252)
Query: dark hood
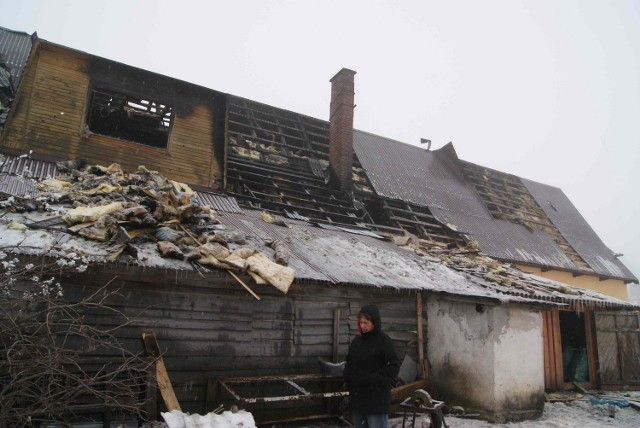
point(372, 311)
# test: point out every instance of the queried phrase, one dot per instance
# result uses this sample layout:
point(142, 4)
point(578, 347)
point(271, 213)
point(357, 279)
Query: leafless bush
point(55, 364)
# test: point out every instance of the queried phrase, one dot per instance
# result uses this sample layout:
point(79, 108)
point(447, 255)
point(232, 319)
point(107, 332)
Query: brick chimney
point(341, 128)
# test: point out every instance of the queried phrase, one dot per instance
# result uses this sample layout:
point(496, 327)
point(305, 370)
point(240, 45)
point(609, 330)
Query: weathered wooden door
point(618, 339)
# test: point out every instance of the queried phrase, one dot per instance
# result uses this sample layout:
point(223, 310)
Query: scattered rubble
point(502, 277)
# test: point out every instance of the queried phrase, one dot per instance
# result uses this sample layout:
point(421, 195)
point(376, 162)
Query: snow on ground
point(573, 414)
point(579, 413)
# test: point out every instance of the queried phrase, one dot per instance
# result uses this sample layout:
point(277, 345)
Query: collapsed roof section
point(512, 219)
point(278, 161)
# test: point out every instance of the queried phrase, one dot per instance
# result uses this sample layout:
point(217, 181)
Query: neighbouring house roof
point(319, 252)
point(512, 219)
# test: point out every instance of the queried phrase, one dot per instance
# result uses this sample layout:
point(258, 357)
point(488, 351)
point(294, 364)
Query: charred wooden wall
point(50, 116)
point(211, 328)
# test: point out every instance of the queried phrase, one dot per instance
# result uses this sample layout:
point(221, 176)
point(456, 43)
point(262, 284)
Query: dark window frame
point(128, 117)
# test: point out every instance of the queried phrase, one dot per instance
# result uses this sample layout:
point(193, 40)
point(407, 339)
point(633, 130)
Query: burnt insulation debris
point(126, 212)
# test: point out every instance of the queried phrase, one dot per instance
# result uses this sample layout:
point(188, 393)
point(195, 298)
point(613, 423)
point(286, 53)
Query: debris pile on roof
point(119, 209)
point(501, 277)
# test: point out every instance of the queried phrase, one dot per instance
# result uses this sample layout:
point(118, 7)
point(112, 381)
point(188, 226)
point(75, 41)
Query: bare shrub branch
point(53, 362)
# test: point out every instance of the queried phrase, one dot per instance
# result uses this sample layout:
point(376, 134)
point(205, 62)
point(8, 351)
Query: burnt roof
point(278, 160)
point(510, 218)
point(325, 253)
point(15, 46)
point(330, 256)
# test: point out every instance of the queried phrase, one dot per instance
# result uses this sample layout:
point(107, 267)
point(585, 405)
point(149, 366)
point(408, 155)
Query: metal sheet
point(219, 202)
point(577, 231)
point(334, 255)
point(18, 175)
point(15, 46)
point(435, 180)
point(18, 186)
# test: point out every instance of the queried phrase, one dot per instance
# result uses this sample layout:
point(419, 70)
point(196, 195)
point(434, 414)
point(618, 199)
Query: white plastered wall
point(486, 358)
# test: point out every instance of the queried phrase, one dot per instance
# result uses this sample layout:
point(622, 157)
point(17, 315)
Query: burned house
point(443, 200)
point(454, 254)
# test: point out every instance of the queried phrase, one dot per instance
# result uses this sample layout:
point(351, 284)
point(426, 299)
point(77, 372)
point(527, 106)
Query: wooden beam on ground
point(162, 377)
point(402, 392)
point(581, 389)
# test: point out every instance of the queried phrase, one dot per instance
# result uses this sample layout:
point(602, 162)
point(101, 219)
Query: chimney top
point(343, 71)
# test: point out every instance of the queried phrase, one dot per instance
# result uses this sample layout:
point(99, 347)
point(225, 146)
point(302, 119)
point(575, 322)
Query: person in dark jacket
point(372, 365)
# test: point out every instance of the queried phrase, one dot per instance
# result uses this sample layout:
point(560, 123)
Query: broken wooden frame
point(292, 383)
point(258, 392)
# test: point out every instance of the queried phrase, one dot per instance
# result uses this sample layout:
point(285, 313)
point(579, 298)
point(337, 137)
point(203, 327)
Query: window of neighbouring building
point(130, 118)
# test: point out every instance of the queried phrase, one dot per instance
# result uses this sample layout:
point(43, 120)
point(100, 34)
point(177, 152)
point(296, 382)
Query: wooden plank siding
point(50, 113)
point(618, 338)
point(210, 328)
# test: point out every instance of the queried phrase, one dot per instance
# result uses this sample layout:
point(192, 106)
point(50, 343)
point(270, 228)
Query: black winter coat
point(372, 365)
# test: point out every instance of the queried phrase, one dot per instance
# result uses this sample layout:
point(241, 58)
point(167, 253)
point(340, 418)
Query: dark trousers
point(370, 421)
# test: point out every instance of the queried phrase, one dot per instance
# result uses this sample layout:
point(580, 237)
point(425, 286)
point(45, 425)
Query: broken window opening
point(130, 118)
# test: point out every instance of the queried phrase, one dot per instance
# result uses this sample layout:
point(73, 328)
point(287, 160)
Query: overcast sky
point(548, 90)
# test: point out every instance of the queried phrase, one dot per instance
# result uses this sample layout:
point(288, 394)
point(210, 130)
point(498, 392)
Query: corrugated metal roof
point(577, 231)
point(15, 46)
point(219, 202)
point(18, 174)
point(434, 179)
point(338, 256)
point(318, 167)
point(16, 185)
point(25, 166)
